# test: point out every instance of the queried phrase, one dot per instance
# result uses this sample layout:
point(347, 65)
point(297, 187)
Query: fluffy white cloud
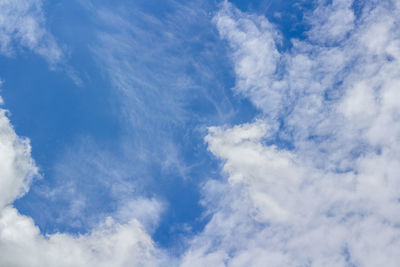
point(323, 96)
point(333, 199)
point(254, 55)
point(111, 244)
point(22, 24)
point(16, 165)
point(276, 210)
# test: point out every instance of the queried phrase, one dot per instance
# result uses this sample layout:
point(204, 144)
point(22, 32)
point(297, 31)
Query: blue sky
point(193, 133)
point(88, 115)
point(71, 113)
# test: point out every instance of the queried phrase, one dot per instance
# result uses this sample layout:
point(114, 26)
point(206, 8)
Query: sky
point(200, 133)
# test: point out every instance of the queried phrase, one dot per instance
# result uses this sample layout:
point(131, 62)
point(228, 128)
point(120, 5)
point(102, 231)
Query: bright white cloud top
point(330, 199)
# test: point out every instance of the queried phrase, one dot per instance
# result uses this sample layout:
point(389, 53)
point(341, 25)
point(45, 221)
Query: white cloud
point(275, 210)
point(255, 57)
point(331, 22)
point(304, 96)
point(333, 199)
point(16, 166)
point(22, 25)
point(111, 244)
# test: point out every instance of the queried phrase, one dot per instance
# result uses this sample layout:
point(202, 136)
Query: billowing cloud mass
point(313, 181)
point(332, 199)
point(16, 165)
point(111, 244)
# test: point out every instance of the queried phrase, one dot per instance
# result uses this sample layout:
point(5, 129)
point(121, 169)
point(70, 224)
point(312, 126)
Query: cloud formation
point(111, 244)
point(16, 165)
point(331, 198)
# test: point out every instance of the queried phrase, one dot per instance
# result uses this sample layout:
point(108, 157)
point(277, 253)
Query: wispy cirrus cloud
point(163, 71)
point(22, 26)
point(123, 241)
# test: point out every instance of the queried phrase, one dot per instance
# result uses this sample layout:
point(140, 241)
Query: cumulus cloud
point(323, 96)
point(16, 165)
point(275, 210)
point(22, 25)
point(333, 199)
point(111, 244)
point(255, 57)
